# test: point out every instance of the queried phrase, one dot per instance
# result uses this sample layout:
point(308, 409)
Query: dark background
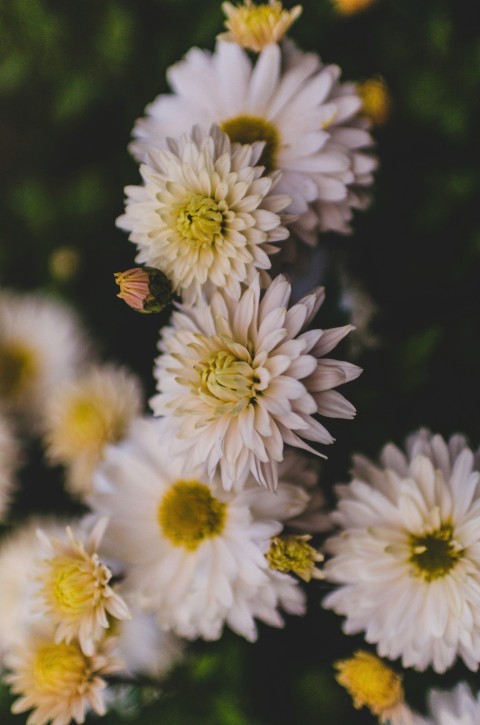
point(73, 78)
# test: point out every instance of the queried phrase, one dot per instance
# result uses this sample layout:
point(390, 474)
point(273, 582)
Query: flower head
point(205, 215)
point(85, 415)
point(407, 558)
point(373, 684)
point(144, 289)
point(254, 26)
point(293, 553)
point(237, 381)
point(58, 681)
point(75, 591)
point(308, 121)
point(41, 345)
point(193, 552)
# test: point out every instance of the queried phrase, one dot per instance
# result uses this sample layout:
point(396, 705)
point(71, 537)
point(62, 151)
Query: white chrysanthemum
point(408, 555)
point(75, 592)
point(19, 552)
point(84, 415)
point(239, 380)
point(194, 553)
point(457, 707)
point(9, 459)
point(57, 681)
point(205, 215)
point(308, 120)
point(41, 345)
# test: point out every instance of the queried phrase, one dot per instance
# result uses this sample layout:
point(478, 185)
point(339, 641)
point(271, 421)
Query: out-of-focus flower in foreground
point(371, 683)
point(144, 289)
point(254, 26)
point(351, 7)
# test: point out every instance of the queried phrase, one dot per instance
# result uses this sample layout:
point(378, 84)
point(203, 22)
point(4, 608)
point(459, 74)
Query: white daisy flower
point(75, 591)
point(457, 707)
point(194, 553)
point(83, 415)
point(205, 215)
point(57, 681)
point(408, 554)
point(308, 120)
point(41, 344)
point(239, 380)
point(9, 460)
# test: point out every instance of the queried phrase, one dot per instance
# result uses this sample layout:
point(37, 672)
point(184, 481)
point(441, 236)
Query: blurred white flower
point(238, 381)
point(309, 121)
point(194, 553)
point(408, 553)
point(83, 415)
point(205, 215)
point(41, 345)
point(457, 707)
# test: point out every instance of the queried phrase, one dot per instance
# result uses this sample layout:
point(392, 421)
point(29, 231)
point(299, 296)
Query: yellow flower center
point(18, 368)
point(294, 554)
point(247, 129)
point(370, 682)
point(433, 555)
point(375, 100)
point(74, 584)
point(59, 669)
point(188, 514)
point(200, 221)
point(232, 382)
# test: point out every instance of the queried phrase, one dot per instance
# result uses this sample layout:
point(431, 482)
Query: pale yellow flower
point(376, 100)
point(255, 26)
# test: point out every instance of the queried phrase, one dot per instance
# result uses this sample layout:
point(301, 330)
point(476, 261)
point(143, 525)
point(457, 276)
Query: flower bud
point(144, 289)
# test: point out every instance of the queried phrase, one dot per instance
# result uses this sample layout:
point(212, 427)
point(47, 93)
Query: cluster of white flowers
point(202, 515)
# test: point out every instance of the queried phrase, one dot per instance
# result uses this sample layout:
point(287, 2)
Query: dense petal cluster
point(254, 26)
point(308, 120)
point(238, 381)
point(408, 554)
point(194, 553)
point(205, 215)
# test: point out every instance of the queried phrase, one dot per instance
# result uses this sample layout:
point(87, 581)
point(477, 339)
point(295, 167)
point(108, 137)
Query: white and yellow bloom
point(407, 558)
point(205, 215)
point(194, 553)
point(58, 681)
point(308, 120)
point(254, 26)
point(41, 345)
point(239, 380)
point(75, 591)
point(85, 415)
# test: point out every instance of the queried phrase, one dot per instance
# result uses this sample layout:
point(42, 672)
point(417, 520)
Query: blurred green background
point(73, 78)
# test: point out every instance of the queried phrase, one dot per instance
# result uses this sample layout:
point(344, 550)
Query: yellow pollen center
point(188, 514)
point(232, 382)
point(59, 669)
point(87, 427)
point(294, 554)
point(433, 555)
point(200, 222)
point(248, 129)
point(18, 368)
point(370, 682)
point(74, 585)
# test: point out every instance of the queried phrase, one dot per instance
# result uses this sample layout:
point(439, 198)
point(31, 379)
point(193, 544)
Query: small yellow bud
point(371, 683)
point(255, 26)
point(294, 554)
point(144, 289)
point(376, 100)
